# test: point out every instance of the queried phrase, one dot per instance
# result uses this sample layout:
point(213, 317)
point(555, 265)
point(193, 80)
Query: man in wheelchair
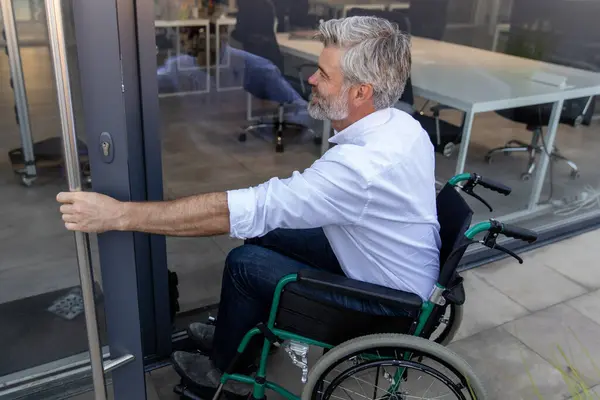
point(363, 214)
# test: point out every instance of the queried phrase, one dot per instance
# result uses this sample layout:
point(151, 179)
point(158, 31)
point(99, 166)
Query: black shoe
point(199, 373)
point(202, 335)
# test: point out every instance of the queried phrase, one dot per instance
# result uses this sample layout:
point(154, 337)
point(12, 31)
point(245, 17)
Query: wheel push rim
point(456, 382)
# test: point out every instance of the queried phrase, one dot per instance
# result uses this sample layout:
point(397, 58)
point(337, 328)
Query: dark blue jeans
point(251, 275)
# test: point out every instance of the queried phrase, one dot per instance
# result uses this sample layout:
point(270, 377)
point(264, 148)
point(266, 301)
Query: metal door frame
point(133, 265)
point(116, 49)
point(137, 38)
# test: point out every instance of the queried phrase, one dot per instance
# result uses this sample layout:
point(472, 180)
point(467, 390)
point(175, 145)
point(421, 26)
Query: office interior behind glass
point(504, 89)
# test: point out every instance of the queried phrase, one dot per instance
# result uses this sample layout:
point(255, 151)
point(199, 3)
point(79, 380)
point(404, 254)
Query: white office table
point(475, 81)
point(223, 20)
point(220, 21)
point(183, 23)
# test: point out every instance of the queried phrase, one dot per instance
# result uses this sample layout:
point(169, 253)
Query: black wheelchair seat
point(359, 289)
point(304, 313)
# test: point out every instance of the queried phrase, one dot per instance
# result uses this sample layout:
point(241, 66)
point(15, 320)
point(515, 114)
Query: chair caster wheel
point(448, 150)
point(27, 181)
point(279, 148)
point(318, 140)
point(525, 176)
point(575, 175)
point(242, 137)
point(488, 159)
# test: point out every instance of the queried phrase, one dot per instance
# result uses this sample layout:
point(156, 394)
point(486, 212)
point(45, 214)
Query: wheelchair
point(378, 357)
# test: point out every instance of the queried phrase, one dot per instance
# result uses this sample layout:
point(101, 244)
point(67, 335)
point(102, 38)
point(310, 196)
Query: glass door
point(41, 296)
point(69, 309)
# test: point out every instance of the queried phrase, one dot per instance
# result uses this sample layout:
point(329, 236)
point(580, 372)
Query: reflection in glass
point(233, 83)
point(233, 110)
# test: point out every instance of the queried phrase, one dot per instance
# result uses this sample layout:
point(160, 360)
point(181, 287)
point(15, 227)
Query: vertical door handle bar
point(56, 35)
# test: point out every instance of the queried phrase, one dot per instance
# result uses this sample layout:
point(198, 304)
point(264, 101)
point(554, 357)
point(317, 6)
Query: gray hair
point(376, 52)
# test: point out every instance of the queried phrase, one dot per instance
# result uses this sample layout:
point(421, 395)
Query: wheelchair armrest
point(359, 289)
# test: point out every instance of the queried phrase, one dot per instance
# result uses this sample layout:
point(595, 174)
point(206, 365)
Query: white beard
point(334, 110)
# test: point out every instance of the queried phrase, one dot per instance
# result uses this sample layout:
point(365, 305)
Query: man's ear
point(364, 93)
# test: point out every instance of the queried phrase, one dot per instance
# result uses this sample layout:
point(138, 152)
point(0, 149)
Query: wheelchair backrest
point(454, 217)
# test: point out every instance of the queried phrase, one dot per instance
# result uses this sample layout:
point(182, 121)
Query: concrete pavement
point(516, 318)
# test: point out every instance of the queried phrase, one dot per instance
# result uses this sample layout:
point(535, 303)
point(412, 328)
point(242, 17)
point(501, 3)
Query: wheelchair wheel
point(449, 324)
point(378, 367)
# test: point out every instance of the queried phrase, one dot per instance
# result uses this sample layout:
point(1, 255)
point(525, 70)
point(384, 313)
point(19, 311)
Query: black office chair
point(424, 18)
point(264, 80)
point(538, 36)
point(263, 76)
point(399, 17)
point(294, 15)
point(282, 12)
point(535, 118)
point(428, 18)
point(444, 135)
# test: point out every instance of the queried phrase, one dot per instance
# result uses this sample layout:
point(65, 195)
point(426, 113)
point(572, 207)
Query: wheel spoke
point(380, 371)
point(359, 375)
point(376, 388)
point(432, 382)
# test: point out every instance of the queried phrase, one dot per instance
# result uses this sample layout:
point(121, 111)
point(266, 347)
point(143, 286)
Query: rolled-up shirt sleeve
point(328, 193)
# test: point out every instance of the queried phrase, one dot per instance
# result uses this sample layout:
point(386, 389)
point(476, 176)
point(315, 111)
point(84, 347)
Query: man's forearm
point(201, 215)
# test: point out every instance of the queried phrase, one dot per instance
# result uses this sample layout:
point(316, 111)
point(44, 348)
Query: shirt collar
point(362, 127)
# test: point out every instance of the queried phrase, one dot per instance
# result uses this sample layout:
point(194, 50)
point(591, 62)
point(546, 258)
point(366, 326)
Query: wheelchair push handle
point(517, 232)
point(494, 186)
point(494, 229)
point(472, 180)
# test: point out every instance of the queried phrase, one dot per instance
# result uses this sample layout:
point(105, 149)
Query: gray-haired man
point(366, 209)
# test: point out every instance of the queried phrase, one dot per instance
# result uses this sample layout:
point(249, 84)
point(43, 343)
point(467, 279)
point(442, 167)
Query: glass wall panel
point(208, 99)
point(485, 74)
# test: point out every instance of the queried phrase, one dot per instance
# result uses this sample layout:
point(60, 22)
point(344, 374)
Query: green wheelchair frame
point(274, 336)
point(261, 384)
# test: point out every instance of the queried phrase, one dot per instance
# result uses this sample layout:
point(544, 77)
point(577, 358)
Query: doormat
point(31, 334)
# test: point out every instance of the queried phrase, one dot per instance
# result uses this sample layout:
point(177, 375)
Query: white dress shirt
point(374, 196)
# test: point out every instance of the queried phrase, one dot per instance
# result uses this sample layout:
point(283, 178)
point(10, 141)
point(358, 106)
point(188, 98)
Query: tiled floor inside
point(201, 153)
